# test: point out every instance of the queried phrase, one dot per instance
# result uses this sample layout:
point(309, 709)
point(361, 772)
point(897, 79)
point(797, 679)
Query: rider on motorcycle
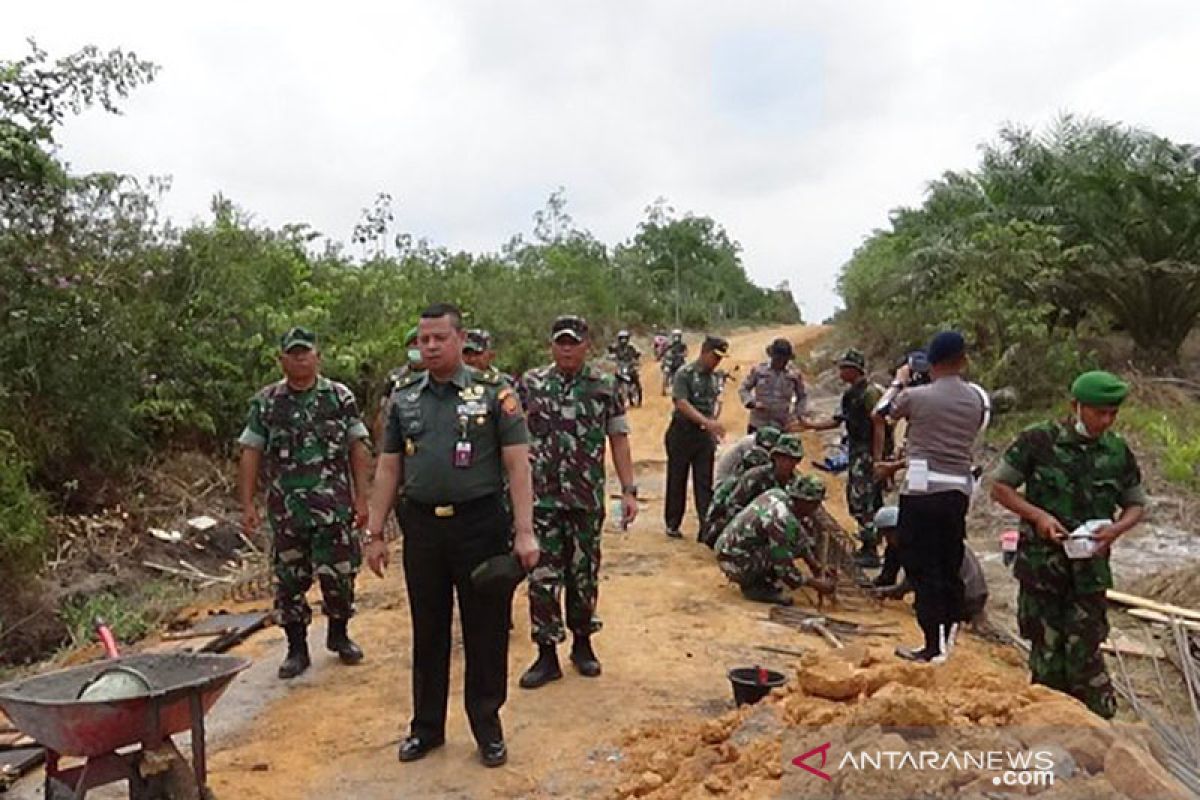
point(627, 357)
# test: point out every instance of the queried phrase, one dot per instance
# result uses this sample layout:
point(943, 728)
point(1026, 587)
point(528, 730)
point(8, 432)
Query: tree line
point(1082, 229)
point(122, 333)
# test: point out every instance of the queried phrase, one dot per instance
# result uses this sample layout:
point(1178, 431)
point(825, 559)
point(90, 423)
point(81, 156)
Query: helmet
point(677, 334)
point(622, 334)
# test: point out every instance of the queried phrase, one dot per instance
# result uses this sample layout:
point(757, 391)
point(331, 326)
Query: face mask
point(414, 355)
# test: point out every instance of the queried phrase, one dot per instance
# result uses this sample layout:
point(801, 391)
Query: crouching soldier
point(757, 550)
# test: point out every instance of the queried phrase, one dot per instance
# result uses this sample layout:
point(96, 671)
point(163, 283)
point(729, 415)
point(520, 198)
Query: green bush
point(23, 534)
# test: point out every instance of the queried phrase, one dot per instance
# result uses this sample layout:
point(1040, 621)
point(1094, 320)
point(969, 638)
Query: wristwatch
point(630, 490)
point(365, 537)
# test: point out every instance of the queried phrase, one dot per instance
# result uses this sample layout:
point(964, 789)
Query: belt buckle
point(443, 511)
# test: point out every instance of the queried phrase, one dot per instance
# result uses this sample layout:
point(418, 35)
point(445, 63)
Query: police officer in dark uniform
point(693, 434)
point(452, 435)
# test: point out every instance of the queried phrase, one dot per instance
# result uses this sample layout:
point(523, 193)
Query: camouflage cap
point(298, 337)
point(715, 345)
point(1099, 388)
point(766, 436)
point(853, 358)
point(569, 326)
point(806, 487)
point(478, 341)
point(789, 444)
point(755, 457)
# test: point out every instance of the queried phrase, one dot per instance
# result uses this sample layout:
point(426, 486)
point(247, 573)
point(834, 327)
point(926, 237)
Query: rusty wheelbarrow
point(175, 692)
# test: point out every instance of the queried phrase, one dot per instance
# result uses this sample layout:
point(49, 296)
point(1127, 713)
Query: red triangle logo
point(800, 760)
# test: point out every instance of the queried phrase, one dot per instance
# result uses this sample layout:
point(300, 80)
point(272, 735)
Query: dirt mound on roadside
point(862, 699)
point(1179, 587)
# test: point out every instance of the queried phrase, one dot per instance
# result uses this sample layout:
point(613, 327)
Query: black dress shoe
point(493, 754)
point(415, 747)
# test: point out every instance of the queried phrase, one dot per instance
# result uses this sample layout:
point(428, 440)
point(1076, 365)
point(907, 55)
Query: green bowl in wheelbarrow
point(49, 707)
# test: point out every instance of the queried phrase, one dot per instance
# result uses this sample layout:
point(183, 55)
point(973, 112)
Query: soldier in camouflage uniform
point(572, 410)
point(864, 493)
point(731, 460)
point(786, 455)
point(1074, 471)
point(394, 378)
point(305, 435)
point(757, 550)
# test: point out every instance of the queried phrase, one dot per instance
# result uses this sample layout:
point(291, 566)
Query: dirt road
point(673, 626)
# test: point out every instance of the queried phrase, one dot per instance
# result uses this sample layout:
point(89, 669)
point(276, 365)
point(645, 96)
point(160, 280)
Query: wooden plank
point(15, 763)
point(1162, 608)
point(1132, 647)
point(1147, 615)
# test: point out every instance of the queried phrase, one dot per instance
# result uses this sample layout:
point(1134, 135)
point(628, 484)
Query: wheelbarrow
point(158, 696)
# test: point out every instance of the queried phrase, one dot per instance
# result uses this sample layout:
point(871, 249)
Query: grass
point(130, 617)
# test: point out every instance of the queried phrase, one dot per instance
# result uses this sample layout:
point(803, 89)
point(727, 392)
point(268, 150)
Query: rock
point(647, 783)
point(1134, 771)
point(879, 676)
point(714, 731)
point(1061, 712)
point(834, 680)
point(1064, 762)
point(897, 704)
point(717, 784)
point(1086, 745)
point(763, 721)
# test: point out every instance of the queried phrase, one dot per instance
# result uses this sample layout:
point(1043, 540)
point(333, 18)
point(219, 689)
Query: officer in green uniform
point(692, 436)
point(1075, 472)
point(305, 436)
point(452, 435)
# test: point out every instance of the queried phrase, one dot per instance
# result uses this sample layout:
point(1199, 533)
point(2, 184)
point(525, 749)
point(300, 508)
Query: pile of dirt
point(1180, 587)
point(862, 699)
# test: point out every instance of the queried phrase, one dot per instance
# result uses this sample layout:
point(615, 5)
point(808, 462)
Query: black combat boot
point(297, 654)
point(338, 641)
point(867, 557)
point(584, 658)
point(765, 593)
point(544, 670)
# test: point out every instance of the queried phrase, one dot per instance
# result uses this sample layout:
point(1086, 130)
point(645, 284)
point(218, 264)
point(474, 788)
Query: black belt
point(447, 510)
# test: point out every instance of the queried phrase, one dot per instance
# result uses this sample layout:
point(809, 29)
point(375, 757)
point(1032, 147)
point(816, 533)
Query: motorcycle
point(629, 385)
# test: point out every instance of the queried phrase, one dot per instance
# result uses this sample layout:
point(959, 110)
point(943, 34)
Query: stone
point(833, 680)
point(648, 782)
point(1133, 771)
point(897, 704)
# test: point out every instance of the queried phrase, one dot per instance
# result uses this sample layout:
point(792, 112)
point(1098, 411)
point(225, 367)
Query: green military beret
point(298, 337)
point(806, 487)
point(412, 335)
point(1099, 388)
point(853, 358)
point(498, 575)
point(766, 437)
point(789, 444)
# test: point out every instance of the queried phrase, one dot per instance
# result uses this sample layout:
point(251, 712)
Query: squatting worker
point(692, 436)
point(305, 435)
point(944, 419)
point(451, 435)
point(572, 409)
point(1074, 472)
point(774, 390)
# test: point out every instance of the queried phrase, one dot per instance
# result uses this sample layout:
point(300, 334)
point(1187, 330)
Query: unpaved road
point(673, 626)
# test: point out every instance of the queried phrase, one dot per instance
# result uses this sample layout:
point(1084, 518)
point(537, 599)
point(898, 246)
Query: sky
point(796, 125)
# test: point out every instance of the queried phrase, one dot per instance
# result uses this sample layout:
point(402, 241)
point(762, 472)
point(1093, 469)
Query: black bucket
point(751, 684)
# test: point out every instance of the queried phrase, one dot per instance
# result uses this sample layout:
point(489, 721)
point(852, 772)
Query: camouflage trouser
point(332, 553)
point(1065, 634)
point(864, 496)
point(570, 544)
point(749, 570)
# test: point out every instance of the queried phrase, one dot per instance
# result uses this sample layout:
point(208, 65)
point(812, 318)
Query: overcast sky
point(797, 125)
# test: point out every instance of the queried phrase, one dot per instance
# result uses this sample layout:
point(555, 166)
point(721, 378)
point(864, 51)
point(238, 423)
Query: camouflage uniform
point(864, 494)
point(1061, 607)
point(569, 418)
point(760, 545)
point(725, 506)
point(306, 438)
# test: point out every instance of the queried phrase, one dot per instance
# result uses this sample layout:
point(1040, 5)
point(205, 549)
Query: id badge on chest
point(462, 454)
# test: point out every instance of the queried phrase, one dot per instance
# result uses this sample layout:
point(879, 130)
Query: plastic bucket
point(751, 684)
